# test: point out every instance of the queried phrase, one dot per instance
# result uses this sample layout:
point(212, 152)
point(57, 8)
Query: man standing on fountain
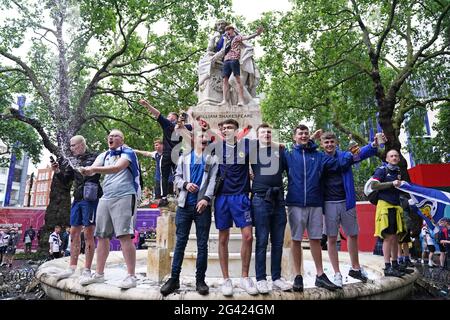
point(116, 212)
point(195, 178)
point(304, 199)
point(233, 204)
point(268, 208)
point(86, 193)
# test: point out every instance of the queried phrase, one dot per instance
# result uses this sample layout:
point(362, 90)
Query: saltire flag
point(430, 204)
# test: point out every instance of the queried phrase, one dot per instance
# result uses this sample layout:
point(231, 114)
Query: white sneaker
point(281, 284)
point(248, 285)
point(262, 287)
point(65, 274)
point(223, 103)
point(338, 279)
point(94, 278)
point(227, 287)
point(130, 281)
point(85, 275)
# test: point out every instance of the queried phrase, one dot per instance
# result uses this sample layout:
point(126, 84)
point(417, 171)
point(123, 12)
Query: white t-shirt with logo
point(55, 242)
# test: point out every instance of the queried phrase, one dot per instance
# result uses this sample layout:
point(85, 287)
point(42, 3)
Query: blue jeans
point(183, 222)
point(268, 219)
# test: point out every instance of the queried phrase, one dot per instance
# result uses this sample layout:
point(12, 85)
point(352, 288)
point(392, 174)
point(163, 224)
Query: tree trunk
point(58, 211)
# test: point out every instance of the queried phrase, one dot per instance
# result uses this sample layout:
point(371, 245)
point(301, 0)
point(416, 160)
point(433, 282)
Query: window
point(17, 175)
point(2, 187)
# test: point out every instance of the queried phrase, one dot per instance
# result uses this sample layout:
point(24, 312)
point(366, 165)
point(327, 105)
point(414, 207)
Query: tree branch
point(33, 78)
point(100, 74)
point(387, 29)
point(38, 127)
point(366, 37)
point(358, 138)
point(99, 116)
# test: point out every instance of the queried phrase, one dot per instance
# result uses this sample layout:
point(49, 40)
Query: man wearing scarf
point(116, 212)
point(389, 224)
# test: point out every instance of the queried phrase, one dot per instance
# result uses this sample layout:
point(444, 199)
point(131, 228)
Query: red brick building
point(40, 193)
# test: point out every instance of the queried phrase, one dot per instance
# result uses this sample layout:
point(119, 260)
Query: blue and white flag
point(430, 204)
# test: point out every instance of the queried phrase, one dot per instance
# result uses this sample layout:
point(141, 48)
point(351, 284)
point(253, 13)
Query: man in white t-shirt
point(55, 243)
point(116, 211)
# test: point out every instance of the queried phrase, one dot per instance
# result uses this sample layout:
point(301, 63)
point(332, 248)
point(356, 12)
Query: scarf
point(133, 167)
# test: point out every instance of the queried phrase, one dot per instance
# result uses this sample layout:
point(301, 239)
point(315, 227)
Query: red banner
point(22, 218)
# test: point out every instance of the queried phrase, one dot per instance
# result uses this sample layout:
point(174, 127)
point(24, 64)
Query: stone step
point(213, 228)
point(213, 270)
point(234, 244)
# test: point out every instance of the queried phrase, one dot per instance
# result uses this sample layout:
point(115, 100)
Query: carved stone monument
point(210, 81)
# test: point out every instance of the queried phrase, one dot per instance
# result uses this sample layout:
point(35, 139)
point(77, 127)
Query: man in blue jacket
point(340, 204)
point(304, 199)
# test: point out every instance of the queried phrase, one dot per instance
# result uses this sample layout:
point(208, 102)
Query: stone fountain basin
point(378, 287)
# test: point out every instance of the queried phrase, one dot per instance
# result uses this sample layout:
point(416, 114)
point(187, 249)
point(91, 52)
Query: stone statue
point(210, 71)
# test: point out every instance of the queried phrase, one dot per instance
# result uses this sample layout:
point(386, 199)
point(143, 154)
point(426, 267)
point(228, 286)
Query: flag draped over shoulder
point(430, 204)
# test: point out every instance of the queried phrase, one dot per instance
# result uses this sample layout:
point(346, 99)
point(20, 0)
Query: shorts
point(229, 208)
point(82, 213)
point(116, 217)
point(309, 218)
point(3, 250)
point(431, 248)
point(231, 66)
point(389, 220)
point(442, 247)
point(336, 214)
point(405, 239)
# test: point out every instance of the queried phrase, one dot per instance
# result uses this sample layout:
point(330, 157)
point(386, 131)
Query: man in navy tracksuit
point(304, 199)
point(232, 203)
point(340, 204)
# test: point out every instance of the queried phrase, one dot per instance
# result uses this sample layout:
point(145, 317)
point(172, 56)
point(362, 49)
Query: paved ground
point(433, 285)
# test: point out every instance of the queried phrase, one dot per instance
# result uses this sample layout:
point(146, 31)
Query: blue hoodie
point(306, 166)
point(347, 172)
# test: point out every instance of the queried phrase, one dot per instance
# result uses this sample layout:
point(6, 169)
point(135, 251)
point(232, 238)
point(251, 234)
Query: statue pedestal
point(213, 113)
point(159, 262)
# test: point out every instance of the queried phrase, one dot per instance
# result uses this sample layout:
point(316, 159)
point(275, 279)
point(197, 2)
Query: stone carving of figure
point(210, 70)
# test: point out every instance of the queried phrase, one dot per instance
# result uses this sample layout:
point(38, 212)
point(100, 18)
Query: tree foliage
point(342, 63)
point(86, 63)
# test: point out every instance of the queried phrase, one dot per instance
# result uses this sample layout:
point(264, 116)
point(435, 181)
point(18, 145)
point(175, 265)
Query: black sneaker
point(298, 284)
point(357, 274)
point(402, 268)
point(409, 264)
point(324, 282)
point(163, 203)
point(392, 272)
point(202, 288)
point(170, 286)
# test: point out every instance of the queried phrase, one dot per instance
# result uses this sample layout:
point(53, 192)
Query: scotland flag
point(430, 204)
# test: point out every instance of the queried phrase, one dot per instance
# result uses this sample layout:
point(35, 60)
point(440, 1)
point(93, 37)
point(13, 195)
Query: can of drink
point(380, 139)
